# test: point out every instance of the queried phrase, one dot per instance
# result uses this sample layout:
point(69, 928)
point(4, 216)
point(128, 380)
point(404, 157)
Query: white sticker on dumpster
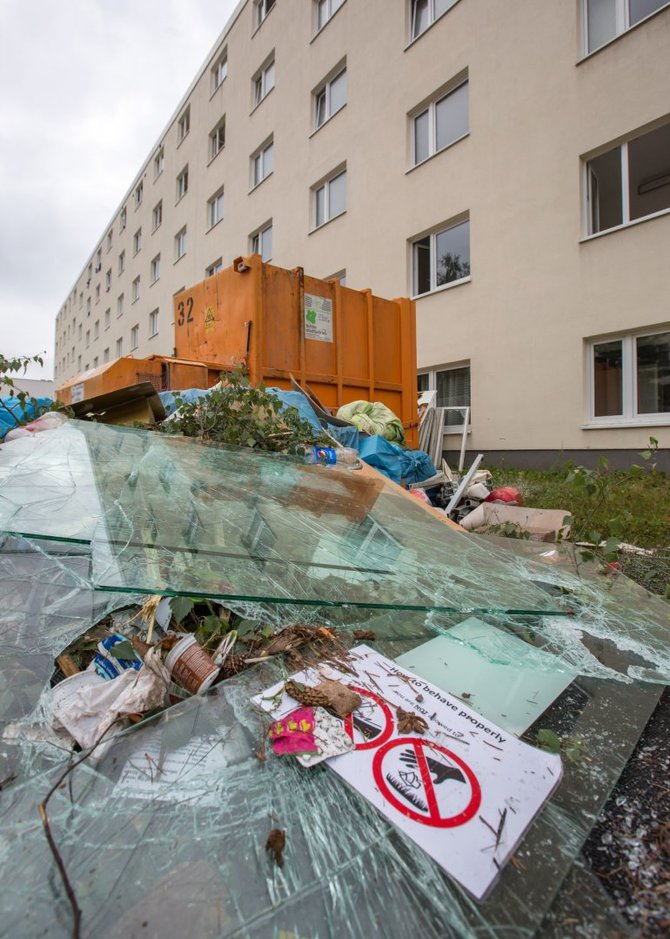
point(464, 789)
point(318, 318)
point(77, 393)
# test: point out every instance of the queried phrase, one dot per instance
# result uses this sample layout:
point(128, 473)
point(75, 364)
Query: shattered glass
point(169, 515)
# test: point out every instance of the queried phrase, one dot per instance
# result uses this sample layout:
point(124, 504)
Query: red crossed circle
point(433, 818)
point(386, 711)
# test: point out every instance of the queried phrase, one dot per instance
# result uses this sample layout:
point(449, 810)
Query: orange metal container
point(164, 373)
point(343, 344)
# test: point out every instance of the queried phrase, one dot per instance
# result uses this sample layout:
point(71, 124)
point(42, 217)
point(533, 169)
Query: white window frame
point(135, 290)
point(217, 139)
point(123, 218)
point(134, 337)
point(324, 186)
point(215, 209)
point(96, 329)
point(433, 233)
point(220, 71)
point(262, 9)
point(108, 317)
point(122, 263)
point(258, 238)
point(464, 409)
point(630, 416)
point(108, 280)
point(184, 125)
point(324, 91)
point(433, 17)
point(110, 240)
point(622, 20)
point(263, 81)
point(592, 195)
point(259, 160)
point(330, 7)
point(119, 305)
point(159, 162)
point(105, 355)
point(139, 194)
point(119, 347)
point(137, 241)
point(214, 268)
point(154, 323)
point(180, 244)
point(430, 106)
point(155, 269)
point(157, 216)
point(182, 183)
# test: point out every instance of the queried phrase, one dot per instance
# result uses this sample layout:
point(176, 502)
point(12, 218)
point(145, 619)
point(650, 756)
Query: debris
point(294, 733)
point(540, 524)
point(190, 666)
point(364, 635)
point(410, 723)
point(508, 494)
point(341, 699)
point(275, 843)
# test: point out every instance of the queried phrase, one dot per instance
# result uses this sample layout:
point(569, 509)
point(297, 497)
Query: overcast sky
point(86, 87)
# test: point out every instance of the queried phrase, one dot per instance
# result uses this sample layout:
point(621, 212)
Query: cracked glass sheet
point(168, 515)
point(163, 831)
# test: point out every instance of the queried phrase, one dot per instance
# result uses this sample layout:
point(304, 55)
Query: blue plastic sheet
point(12, 414)
point(412, 465)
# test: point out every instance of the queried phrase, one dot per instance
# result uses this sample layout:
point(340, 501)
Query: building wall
point(538, 107)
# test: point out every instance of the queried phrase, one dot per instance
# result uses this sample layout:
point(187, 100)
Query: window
point(605, 19)
point(155, 269)
point(424, 12)
point(260, 242)
point(261, 163)
point(139, 194)
point(97, 293)
point(136, 290)
point(183, 125)
point(119, 348)
point(215, 208)
point(629, 182)
point(159, 163)
point(122, 262)
point(88, 338)
point(108, 317)
point(157, 216)
point(330, 97)
point(180, 244)
point(88, 306)
point(330, 199)
point(214, 268)
point(119, 305)
point(440, 123)
point(630, 379)
point(109, 240)
point(217, 139)
point(153, 323)
point(263, 7)
point(98, 264)
point(134, 337)
point(122, 218)
point(96, 329)
point(105, 355)
point(440, 258)
point(452, 384)
point(108, 280)
point(220, 70)
point(182, 183)
point(263, 81)
point(95, 362)
point(137, 241)
point(78, 363)
point(325, 9)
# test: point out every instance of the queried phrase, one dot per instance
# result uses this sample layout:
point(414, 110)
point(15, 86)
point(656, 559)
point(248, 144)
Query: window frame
point(630, 416)
point(183, 125)
point(119, 347)
point(221, 64)
point(213, 218)
point(212, 269)
point(260, 154)
point(324, 90)
point(155, 269)
point(433, 234)
point(217, 141)
point(330, 13)
point(262, 9)
point(139, 194)
point(430, 105)
point(432, 17)
point(256, 241)
point(135, 290)
point(159, 162)
point(182, 184)
point(120, 303)
point(622, 21)
point(154, 322)
point(137, 241)
point(259, 83)
point(325, 186)
point(179, 242)
point(134, 337)
point(121, 263)
point(432, 373)
point(157, 216)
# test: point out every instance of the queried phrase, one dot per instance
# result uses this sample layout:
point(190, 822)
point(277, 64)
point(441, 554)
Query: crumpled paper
point(91, 711)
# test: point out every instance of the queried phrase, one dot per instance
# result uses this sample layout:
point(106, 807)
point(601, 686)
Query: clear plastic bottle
point(329, 456)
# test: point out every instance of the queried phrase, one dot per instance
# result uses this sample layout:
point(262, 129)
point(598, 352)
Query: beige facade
point(508, 163)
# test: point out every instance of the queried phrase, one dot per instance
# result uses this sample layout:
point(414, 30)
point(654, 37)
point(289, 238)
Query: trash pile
point(256, 693)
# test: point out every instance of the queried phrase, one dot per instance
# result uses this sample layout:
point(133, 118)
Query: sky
point(86, 87)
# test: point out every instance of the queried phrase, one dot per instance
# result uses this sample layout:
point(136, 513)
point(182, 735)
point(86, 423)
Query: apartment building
point(506, 164)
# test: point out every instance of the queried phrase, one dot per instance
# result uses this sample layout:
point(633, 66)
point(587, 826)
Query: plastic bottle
point(329, 456)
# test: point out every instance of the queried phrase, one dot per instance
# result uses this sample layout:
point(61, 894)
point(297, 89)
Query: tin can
point(190, 666)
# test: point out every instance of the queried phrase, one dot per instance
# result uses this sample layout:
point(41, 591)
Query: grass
point(633, 507)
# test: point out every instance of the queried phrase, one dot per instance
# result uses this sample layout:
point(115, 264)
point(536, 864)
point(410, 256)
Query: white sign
point(318, 318)
point(77, 393)
point(465, 790)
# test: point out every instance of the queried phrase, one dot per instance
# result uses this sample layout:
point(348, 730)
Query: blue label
point(325, 455)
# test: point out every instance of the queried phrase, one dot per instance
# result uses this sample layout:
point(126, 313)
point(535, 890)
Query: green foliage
point(181, 607)
point(10, 367)
point(123, 651)
point(239, 415)
point(572, 748)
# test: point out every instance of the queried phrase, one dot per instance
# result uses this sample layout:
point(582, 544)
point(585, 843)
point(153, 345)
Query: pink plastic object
point(505, 494)
point(294, 733)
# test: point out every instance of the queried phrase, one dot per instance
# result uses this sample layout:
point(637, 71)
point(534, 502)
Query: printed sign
point(465, 790)
point(209, 318)
point(77, 393)
point(318, 318)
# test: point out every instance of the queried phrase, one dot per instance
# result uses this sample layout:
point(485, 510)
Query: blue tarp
point(13, 415)
point(411, 465)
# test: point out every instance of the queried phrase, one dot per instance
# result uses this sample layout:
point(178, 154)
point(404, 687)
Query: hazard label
point(426, 782)
point(209, 318)
point(371, 724)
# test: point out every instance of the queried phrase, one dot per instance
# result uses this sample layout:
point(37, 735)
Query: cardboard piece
point(465, 791)
point(124, 406)
point(541, 524)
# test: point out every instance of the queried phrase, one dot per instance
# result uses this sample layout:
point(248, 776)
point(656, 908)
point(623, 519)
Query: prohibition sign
point(387, 729)
point(426, 765)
